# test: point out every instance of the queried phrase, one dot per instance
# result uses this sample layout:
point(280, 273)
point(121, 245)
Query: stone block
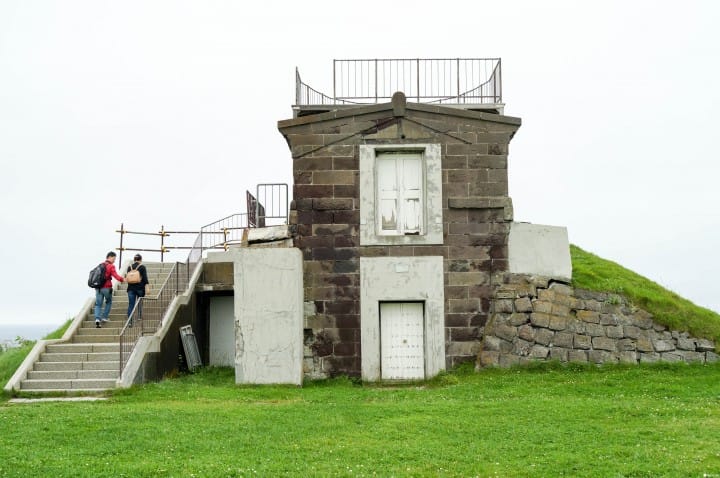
point(491, 343)
point(608, 319)
point(563, 339)
point(615, 331)
point(604, 343)
point(560, 310)
point(627, 356)
point(518, 319)
point(489, 358)
point(504, 306)
point(559, 354)
point(539, 319)
point(576, 326)
point(539, 352)
point(557, 322)
point(562, 289)
point(671, 357)
point(505, 332)
point(658, 327)
point(599, 356)
point(594, 330)
point(624, 345)
point(542, 306)
point(588, 316)
point(592, 305)
point(644, 344)
point(643, 322)
point(521, 347)
point(543, 336)
point(663, 345)
point(691, 356)
point(523, 304)
point(711, 357)
point(507, 360)
point(650, 357)
point(506, 293)
point(582, 341)
point(526, 332)
point(631, 331)
point(577, 356)
point(686, 344)
point(705, 345)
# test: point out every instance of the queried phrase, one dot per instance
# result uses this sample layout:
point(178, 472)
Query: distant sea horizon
point(9, 332)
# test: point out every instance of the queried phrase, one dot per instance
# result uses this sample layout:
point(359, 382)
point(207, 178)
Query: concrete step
point(112, 323)
point(73, 374)
point(104, 330)
point(82, 348)
point(79, 357)
point(73, 384)
point(67, 366)
point(96, 339)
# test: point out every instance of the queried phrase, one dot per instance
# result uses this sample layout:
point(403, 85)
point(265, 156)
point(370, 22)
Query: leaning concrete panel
point(539, 250)
point(268, 315)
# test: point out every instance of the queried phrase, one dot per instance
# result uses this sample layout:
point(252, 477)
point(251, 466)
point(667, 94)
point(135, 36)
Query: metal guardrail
point(270, 205)
point(146, 317)
point(432, 80)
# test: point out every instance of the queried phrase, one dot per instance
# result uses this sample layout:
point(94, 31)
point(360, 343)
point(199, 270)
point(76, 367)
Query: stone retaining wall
point(536, 319)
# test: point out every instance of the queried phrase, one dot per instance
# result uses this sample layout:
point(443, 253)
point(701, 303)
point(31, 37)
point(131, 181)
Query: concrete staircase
point(90, 360)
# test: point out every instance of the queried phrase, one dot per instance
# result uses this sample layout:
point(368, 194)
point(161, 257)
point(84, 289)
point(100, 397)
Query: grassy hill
point(11, 359)
point(598, 274)
point(543, 421)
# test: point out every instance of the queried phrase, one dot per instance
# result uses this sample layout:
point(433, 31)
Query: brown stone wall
point(535, 320)
point(476, 216)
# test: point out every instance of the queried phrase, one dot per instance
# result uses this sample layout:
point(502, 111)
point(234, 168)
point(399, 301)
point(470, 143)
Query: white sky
point(171, 107)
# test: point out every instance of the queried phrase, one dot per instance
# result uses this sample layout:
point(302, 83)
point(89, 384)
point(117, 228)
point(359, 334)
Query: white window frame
point(431, 223)
point(400, 194)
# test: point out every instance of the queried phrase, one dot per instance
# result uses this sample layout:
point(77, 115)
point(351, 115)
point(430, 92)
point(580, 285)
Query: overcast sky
point(164, 112)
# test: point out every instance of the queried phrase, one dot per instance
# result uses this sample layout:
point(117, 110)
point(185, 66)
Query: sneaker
point(103, 320)
point(97, 323)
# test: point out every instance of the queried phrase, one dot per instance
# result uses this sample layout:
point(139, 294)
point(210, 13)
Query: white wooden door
point(402, 340)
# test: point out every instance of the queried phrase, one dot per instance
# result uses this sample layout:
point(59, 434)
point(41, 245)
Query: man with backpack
point(104, 292)
point(137, 280)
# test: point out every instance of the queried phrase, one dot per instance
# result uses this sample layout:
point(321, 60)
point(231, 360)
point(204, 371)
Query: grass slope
point(543, 421)
point(598, 274)
point(11, 359)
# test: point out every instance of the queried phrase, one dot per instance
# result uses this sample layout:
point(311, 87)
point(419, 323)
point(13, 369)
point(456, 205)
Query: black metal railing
point(432, 80)
point(269, 207)
point(146, 317)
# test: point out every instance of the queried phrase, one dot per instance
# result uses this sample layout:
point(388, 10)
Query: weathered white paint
point(222, 331)
point(402, 279)
point(429, 201)
point(402, 341)
point(539, 250)
point(269, 315)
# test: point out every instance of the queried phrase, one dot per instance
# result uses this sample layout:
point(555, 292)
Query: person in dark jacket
point(138, 289)
point(104, 294)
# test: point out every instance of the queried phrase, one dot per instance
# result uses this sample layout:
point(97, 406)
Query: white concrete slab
point(540, 250)
point(268, 315)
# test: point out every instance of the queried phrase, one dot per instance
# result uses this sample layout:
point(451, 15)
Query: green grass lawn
point(544, 421)
point(595, 273)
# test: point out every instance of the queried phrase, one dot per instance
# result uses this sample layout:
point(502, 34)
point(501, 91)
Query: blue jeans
point(100, 296)
point(133, 296)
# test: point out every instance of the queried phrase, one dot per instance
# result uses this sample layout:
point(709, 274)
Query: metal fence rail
point(146, 317)
point(432, 80)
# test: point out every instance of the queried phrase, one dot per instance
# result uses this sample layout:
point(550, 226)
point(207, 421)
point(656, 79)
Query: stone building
point(402, 214)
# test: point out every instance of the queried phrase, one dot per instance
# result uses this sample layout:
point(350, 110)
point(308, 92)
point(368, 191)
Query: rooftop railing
point(460, 81)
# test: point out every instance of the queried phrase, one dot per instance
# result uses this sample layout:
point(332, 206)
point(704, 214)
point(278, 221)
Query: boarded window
point(400, 193)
